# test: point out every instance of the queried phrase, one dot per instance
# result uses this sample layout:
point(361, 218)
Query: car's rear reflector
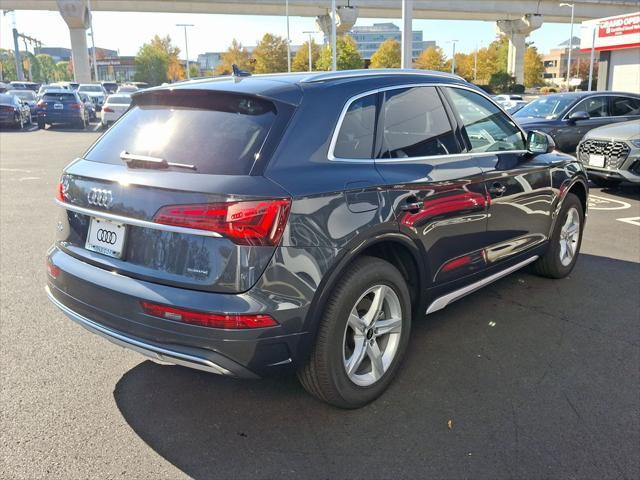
point(256, 222)
point(211, 320)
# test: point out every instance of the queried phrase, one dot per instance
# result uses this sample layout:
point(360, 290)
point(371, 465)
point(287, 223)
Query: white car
point(95, 92)
point(114, 107)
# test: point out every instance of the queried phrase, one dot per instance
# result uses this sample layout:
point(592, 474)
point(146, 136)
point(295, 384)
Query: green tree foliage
point(156, 61)
point(301, 59)
point(387, 55)
point(64, 71)
point(270, 54)
point(235, 54)
point(194, 70)
point(432, 58)
point(47, 68)
point(348, 56)
point(8, 65)
point(501, 82)
point(533, 68)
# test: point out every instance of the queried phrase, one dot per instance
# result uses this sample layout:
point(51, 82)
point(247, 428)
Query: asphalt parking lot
point(530, 379)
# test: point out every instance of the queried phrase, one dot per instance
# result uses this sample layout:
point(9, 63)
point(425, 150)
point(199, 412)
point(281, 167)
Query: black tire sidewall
point(374, 272)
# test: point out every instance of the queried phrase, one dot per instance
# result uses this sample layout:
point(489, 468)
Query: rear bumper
point(59, 118)
point(109, 305)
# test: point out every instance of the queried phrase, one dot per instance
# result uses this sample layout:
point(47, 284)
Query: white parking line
point(631, 220)
point(600, 203)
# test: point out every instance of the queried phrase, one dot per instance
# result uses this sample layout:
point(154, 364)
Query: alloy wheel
point(569, 237)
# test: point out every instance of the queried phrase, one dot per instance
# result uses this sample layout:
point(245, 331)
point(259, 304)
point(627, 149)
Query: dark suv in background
point(248, 226)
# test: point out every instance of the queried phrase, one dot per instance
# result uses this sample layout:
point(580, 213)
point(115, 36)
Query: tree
point(235, 54)
point(64, 71)
point(432, 58)
point(533, 68)
point(465, 65)
point(157, 61)
point(271, 54)
point(47, 67)
point(194, 70)
point(348, 57)
point(387, 55)
point(301, 60)
point(8, 65)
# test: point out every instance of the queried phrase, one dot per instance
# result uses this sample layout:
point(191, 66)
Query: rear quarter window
point(217, 133)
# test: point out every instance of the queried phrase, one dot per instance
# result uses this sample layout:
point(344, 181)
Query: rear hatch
point(117, 104)
point(60, 104)
point(170, 193)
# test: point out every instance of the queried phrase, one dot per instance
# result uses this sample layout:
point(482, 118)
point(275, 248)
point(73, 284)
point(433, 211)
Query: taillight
point(75, 106)
point(61, 192)
point(41, 104)
point(259, 222)
point(107, 109)
point(212, 320)
point(52, 270)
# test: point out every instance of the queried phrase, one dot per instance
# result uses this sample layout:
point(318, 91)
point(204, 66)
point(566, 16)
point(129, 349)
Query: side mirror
point(577, 116)
point(540, 142)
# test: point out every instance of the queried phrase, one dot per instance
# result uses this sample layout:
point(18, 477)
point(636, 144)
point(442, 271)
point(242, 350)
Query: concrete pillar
point(345, 19)
point(516, 31)
point(76, 15)
point(407, 34)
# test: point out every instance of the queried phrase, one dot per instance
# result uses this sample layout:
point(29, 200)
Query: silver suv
point(611, 154)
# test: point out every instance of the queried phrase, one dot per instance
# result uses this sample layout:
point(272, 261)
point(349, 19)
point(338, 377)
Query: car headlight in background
point(635, 142)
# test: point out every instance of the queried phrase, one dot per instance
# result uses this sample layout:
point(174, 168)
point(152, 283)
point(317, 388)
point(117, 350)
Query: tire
point(82, 124)
point(605, 182)
point(41, 124)
point(325, 373)
point(19, 122)
point(555, 263)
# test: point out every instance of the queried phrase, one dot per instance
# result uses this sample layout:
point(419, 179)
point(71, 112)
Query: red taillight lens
point(259, 222)
point(212, 320)
point(75, 106)
point(61, 192)
point(52, 270)
point(41, 104)
point(107, 109)
point(6, 109)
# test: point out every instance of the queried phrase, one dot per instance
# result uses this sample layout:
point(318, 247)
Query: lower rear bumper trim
point(151, 351)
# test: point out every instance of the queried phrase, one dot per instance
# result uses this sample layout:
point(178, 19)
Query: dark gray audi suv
point(248, 226)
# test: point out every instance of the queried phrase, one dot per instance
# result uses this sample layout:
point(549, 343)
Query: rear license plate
point(58, 106)
point(596, 160)
point(106, 237)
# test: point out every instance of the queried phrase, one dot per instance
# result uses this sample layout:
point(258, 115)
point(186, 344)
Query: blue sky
point(127, 31)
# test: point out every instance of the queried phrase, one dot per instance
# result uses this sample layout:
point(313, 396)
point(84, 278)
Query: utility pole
point(310, 32)
point(453, 56)
point(93, 42)
point(186, 44)
point(288, 38)
point(593, 54)
point(334, 50)
point(570, 43)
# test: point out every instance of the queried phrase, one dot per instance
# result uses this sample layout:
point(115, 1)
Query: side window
point(487, 128)
point(355, 139)
point(594, 106)
point(415, 124)
point(623, 106)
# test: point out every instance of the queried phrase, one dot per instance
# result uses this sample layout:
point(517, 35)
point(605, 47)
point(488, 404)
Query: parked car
point(515, 106)
point(63, 106)
point(24, 86)
point(611, 154)
point(89, 105)
point(567, 117)
point(140, 85)
point(303, 221)
point(13, 112)
point(4, 87)
point(28, 97)
point(95, 92)
point(127, 89)
point(110, 87)
point(114, 107)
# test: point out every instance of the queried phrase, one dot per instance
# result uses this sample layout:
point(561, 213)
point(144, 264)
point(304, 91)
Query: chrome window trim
point(334, 137)
point(604, 94)
point(135, 221)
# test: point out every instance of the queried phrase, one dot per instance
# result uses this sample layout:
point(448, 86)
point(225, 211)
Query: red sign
point(623, 25)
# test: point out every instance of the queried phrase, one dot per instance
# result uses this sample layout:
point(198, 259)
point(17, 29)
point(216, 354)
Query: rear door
point(436, 191)
point(518, 184)
point(166, 195)
point(598, 108)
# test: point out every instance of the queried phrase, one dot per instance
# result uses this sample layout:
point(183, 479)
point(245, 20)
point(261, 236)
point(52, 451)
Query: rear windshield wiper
point(144, 161)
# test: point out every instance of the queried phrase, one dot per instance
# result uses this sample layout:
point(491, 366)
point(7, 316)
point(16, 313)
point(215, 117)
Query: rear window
point(119, 99)
point(61, 97)
point(217, 133)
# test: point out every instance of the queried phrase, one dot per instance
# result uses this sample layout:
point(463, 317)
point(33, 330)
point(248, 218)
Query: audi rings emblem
point(106, 236)
point(100, 197)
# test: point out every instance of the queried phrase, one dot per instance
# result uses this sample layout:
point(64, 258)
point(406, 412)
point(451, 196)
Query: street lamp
point(186, 44)
point(93, 41)
point(288, 39)
point(310, 32)
point(570, 42)
point(453, 55)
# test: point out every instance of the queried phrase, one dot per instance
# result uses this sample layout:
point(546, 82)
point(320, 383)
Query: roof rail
point(321, 77)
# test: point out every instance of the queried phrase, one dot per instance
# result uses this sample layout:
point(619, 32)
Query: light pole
point(288, 40)
point(453, 56)
point(570, 42)
point(310, 32)
point(334, 49)
point(93, 41)
point(593, 54)
point(186, 44)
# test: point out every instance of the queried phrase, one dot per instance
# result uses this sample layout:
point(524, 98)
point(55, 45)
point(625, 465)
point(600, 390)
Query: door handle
point(497, 189)
point(412, 206)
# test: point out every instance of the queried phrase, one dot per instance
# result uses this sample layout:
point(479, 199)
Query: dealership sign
point(611, 33)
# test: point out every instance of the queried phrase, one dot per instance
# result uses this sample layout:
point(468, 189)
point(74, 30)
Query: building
point(555, 64)
point(370, 37)
point(119, 69)
point(58, 54)
point(209, 60)
point(617, 40)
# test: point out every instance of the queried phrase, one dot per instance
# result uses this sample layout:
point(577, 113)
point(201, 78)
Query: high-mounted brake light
point(211, 320)
point(259, 222)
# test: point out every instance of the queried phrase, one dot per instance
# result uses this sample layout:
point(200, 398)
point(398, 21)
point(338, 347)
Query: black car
point(568, 116)
point(13, 111)
point(249, 226)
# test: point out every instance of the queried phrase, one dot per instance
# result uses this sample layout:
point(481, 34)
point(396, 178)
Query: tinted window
point(90, 88)
point(621, 106)
point(219, 134)
point(60, 97)
point(415, 124)
point(550, 106)
point(594, 106)
point(119, 99)
point(485, 125)
point(7, 99)
point(355, 139)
